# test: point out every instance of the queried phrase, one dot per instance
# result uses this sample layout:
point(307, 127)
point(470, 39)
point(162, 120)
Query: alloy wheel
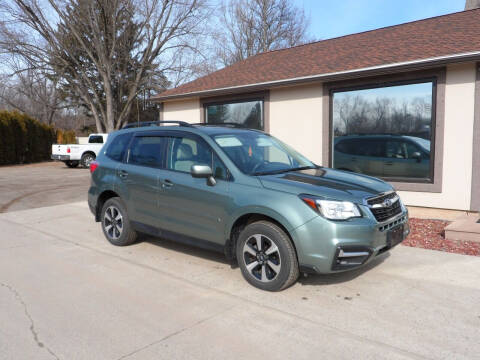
point(88, 160)
point(113, 222)
point(262, 258)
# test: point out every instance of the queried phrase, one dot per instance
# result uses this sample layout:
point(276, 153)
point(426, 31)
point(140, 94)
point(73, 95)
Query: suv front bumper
point(325, 246)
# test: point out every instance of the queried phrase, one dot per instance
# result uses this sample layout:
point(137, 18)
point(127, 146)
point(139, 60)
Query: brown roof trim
point(341, 75)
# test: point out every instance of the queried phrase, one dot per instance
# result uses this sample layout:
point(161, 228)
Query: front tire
point(115, 223)
point(267, 256)
point(87, 159)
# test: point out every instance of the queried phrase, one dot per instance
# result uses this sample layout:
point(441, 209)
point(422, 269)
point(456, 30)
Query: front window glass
point(255, 153)
point(384, 131)
point(184, 152)
point(247, 113)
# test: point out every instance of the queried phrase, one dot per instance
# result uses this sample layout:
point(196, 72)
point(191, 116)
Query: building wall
point(296, 118)
point(458, 139)
point(185, 110)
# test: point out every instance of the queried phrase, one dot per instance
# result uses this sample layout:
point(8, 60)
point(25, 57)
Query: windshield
point(256, 153)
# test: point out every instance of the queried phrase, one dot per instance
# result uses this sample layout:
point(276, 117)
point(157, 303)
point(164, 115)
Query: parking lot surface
point(66, 293)
point(42, 184)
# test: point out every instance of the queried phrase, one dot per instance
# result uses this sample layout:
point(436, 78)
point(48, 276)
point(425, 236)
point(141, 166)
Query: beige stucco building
point(426, 70)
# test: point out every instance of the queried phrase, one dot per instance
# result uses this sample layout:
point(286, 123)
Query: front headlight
point(338, 210)
point(332, 209)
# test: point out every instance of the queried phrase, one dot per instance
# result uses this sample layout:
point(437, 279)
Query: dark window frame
point(438, 75)
point(263, 96)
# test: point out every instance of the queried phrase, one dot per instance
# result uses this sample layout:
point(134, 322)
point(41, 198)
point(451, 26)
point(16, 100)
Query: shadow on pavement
point(186, 249)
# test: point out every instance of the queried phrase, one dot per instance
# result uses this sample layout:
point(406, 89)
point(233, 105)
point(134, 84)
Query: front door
point(189, 206)
point(404, 159)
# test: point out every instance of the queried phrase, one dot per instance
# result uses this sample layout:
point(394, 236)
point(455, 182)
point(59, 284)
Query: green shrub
point(24, 139)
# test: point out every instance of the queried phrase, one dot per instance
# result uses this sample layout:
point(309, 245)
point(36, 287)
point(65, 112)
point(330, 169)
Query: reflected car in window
point(388, 156)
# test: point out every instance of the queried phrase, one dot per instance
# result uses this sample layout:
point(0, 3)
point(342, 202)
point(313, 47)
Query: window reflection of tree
point(358, 114)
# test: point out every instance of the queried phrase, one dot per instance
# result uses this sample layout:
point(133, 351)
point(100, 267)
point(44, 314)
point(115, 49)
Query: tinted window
point(118, 147)
point(147, 151)
point(95, 139)
point(361, 147)
point(395, 118)
point(247, 113)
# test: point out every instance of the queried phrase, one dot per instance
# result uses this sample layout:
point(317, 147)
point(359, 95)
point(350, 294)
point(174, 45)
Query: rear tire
point(267, 257)
point(115, 223)
point(72, 163)
point(87, 159)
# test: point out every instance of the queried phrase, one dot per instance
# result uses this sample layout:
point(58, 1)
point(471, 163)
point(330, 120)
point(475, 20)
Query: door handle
point(123, 174)
point(389, 163)
point(167, 184)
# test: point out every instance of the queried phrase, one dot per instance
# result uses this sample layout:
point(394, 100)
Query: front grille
point(381, 199)
point(382, 212)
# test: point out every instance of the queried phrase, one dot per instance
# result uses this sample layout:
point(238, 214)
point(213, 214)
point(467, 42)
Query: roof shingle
point(450, 34)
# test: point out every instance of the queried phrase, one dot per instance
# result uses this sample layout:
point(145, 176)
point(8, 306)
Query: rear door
point(363, 155)
point(188, 205)
point(139, 177)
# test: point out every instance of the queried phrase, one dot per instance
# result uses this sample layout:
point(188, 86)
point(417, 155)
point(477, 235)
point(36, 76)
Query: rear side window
point(118, 147)
point(147, 151)
point(95, 139)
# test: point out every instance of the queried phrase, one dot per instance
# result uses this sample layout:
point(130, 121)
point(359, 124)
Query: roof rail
point(226, 124)
point(155, 123)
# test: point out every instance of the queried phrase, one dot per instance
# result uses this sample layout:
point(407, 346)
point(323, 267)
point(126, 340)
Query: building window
point(385, 131)
point(248, 113)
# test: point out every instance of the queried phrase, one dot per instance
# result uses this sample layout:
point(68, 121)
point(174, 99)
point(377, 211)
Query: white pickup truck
point(74, 154)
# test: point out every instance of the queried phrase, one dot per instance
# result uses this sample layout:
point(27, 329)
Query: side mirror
point(203, 172)
point(416, 155)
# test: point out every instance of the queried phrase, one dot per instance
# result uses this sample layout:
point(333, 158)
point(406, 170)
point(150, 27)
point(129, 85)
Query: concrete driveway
point(65, 293)
point(42, 184)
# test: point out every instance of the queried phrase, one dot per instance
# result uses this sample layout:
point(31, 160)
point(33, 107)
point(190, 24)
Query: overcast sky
point(332, 18)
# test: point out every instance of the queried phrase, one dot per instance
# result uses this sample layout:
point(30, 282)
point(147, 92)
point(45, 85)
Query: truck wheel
point(87, 159)
point(267, 256)
point(115, 223)
point(72, 163)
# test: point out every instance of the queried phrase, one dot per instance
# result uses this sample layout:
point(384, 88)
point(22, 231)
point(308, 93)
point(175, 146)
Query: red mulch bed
point(430, 234)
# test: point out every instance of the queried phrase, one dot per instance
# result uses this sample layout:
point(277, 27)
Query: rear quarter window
point(118, 147)
point(95, 139)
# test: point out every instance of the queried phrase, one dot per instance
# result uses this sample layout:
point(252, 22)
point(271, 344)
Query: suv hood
point(326, 183)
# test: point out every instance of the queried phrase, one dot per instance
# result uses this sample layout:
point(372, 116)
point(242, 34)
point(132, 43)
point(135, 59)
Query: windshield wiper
point(274, 172)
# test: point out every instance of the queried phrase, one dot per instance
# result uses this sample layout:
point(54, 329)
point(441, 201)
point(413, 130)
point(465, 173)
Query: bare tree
point(250, 27)
point(104, 52)
point(33, 93)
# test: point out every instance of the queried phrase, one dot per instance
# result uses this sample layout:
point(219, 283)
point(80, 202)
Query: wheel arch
point(247, 218)
point(91, 152)
point(102, 198)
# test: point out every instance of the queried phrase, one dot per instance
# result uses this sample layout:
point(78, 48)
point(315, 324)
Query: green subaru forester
point(245, 193)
